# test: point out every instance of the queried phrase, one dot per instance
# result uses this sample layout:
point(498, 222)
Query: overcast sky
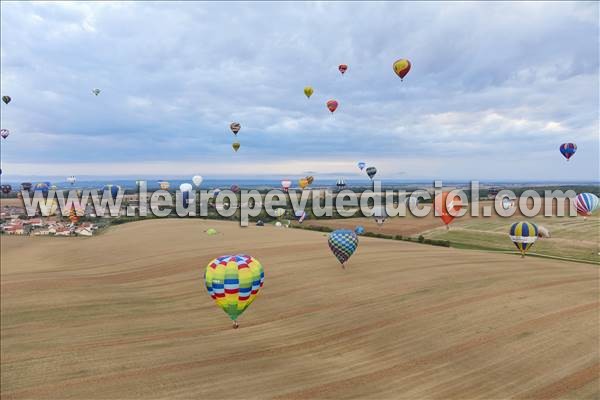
point(494, 89)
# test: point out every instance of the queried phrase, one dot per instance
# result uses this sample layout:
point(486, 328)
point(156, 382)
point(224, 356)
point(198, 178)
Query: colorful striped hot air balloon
point(586, 203)
point(73, 215)
point(4, 133)
point(568, 150)
point(233, 282)
point(523, 235)
point(343, 244)
point(401, 67)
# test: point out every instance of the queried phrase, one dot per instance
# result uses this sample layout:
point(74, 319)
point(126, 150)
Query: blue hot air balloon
point(343, 244)
point(361, 165)
point(568, 150)
point(113, 190)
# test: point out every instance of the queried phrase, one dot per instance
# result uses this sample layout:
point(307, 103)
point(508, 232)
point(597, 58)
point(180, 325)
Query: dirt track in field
point(125, 315)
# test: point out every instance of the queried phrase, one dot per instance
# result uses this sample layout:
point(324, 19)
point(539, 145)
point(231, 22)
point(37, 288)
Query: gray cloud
point(500, 83)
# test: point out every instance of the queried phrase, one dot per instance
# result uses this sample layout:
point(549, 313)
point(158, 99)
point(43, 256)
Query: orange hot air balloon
point(343, 68)
point(332, 105)
point(303, 183)
point(401, 67)
point(440, 206)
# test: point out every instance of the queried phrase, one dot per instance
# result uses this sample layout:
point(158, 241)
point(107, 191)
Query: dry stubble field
point(126, 315)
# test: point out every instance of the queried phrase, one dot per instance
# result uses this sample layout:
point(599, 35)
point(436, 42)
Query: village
point(15, 222)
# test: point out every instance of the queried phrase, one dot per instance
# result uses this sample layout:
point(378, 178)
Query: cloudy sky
point(493, 91)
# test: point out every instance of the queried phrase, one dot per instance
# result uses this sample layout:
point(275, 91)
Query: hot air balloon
point(236, 146)
point(4, 133)
point(300, 215)
point(506, 203)
point(308, 91)
point(6, 189)
point(112, 189)
point(371, 171)
point(401, 67)
point(361, 165)
point(197, 180)
point(568, 150)
point(359, 230)
point(523, 235)
point(73, 216)
point(185, 189)
point(6, 99)
point(343, 68)
point(278, 224)
point(302, 183)
point(96, 92)
point(164, 185)
point(26, 186)
point(217, 191)
point(211, 232)
point(379, 215)
point(233, 282)
point(440, 206)
point(586, 203)
point(310, 179)
point(42, 187)
point(332, 105)
point(341, 183)
point(285, 184)
point(234, 188)
point(71, 179)
point(343, 243)
point(235, 127)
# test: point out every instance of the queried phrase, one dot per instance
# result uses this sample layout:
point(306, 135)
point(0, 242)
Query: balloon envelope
point(308, 91)
point(4, 133)
point(285, 184)
point(401, 67)
point(442, 209)
point(236, 146)
point(523, 235)
point(343, 244)
point(211, 231)
point(185, 187)
point(371, 171)
point(586, 203)
point(568, 150)
point(96, 92)
point(343, 68)
point(233, 282)
point(361, 165)
point(164, 185)
point(359, 230)
point(332, 105)
point(303, 183)
point(6, 99)
point(235, 127)
point(197, 180)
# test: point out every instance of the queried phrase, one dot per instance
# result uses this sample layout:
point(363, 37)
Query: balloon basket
point(235, 325)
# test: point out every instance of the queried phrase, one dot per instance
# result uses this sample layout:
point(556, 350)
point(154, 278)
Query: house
point(84, 232)
point(62, 231)
point(14, 230)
